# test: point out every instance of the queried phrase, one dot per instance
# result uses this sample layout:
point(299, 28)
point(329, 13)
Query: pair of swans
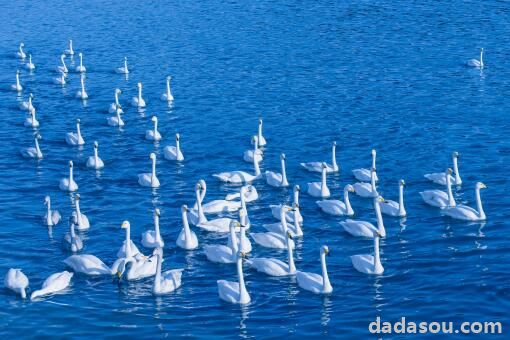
point(315, 283)
point(440, 177)
point(124, 68)
point(153, 134)
point(52, 217)
point(475, 62)
point(220, 253)
point(318, 166)
point(367, 190)
point(174, 153)
point(369, 264)
point(187, 238)
point(33, 152)
point(320, 189)
point(240, 177)
point(279, 227)
point(235, 292)
point(94, 161)
point(82, 93)
point(30, 65)
point(75, 138)
point(152, 238)
point(275, 239)
point(365, 175)
point(364, 228)
point(466, 213)
point(256, 153)
point(31, 120)
point(337, 207)
point(289, 214)
point(21, 54)
point(439, 198)
point(149, 179)
point(138, 101)
point(69, 50)
point(167, 96)
point(68, 183)
point(17, 86)
point(81, 68)
point(80, 220)
point(17, 281)
point(273, 266)
point(275, 179)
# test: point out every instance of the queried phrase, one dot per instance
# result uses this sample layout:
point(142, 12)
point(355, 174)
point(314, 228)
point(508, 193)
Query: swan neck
point(401, 208)
point(156, 228)
point(72, 231)
point(296, 197)
point(458, 180)
point(284, 174)
point(201, 216)
point(243, 294)
point(78, 212)
point(78, 130)
point(128, 242)
point(373, 160)
point(256, 166)
point(333, 158)
point(290, 256)
point(372, 180)
point(157, 279)
point(323, 180)
point(377, 255)
point(297, 228)
point(116, 99)
point(185, 225)
point(70, 175)
point(139, 93)
point(81, 60)
point(153, 174)
point(155, 128)
point(451, 201)
point(38, 150)
point(125, 66)
point(481, 212)
point(233, 237)
point(380, 223)
point(96, 156)
point(17, 80)
point(168, 88)
point(325, 284)
point(347, 201)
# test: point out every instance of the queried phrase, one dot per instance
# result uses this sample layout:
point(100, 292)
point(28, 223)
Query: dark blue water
point(369, 74)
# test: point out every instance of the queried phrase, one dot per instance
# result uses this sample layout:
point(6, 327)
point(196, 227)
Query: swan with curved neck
point(368, 264)
point(80, 68)
point(82, 93)
point(123, 69)
point(33, 152)
point(256, 153)
point(68, 183)
point(128, 248)
point(52, 217)
point(235, 292)
point(475, 62)
point(187, 238)
point(115, 106)
point(54, 283)
point(152, 238)
point(240, 177)
point(275, 179)
point(174, 153)
point(73, 242)
point(393, 208)
point(318, 284)
point(60, 80)
point(367, 190)
point(31, 121)
point(260, 138)
point(364, 228)
point(167, 96)
point(320, 189)
point(219, 225)
point(138, 101)
point(438, 198)
point(337, 207)
point(154, 133)
point(94, 161)
point(30, 65)
point(81, 220)
point(75, 138)
point(69, 50)
point(21, 54)
point(62, 68)
point(365, 175)
point(440, 177)
point(277, 239)
point(167, 282)
point(17, 87)
point(149, 179)
point(317, 166)
point(466, 213)
point(276, 209)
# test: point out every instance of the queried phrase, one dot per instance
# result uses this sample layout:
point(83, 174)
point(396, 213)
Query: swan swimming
point(368, 264)
point(440, 177)
point(72, 242)
point(260, 138)
point(16, 281)
point(317, 166)
point(60, 80)
point(88, 264)
point(393, 208)
point(82, 93)
point(30, 65)
point(475, 62)
point(320, 189)
point(167, 96)
point(31, 121)
point(235, 292)
point(240, 177)
point(275, 179)
point(115, 107)
point(250, 194)
point(220, 253)
point(367, 190)
point(365, 175)
point(53, 284)
point(80, 68)
point(154, 133)
point(81, 220)
point(315, 283)
point(149, 179)
point(152, 238)
point(219, 206)
point(95, 162)
point(272, 239)
point(128, 248)
point(138, 101)
point(243, 242)
point(69, 50)
point(438, 198)
point(363, 228)
point(137, 267)
point(68, 183)
point(21, 54)
point(75, 138)
point(115, 120)
point(62, 68)
point(463, 212)
point(52, 217)
point(33, 152)
point(337, 207)
point(28, 105)
point(295, 230)
point(17, 87)
point(167, 282)
point(275, 267)
point(123, 69)
point(187, 238)
point(275, 209)
point(256, 152)
point(174, 153)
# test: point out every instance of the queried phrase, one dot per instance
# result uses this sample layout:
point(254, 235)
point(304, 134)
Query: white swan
point(319, 189)
point(152, 238)
point(337, 207)
point(137, 267)
point(250, 194)
point(53, 284)
point(239, 177)
point(365, 175)
point(30, 65)
point(154, 133)
point(149, 179)
point(275, 179)
point(220, 253)
point(315, 283)
point(123, 69)
point(27, 105)
point(393, 208)
point(438, 198)
point(167, 96)
point(31, 121)
point(72, 242)
point(80, 68)
point(94, 161)
point(248, 155)
point(219, 206)
point(68, 183)
point(115, 120)
point(69, 50)
point(187, 238)
point(82, 93)
point(235, 292)
point(367, 190)
point(52, 217)
point(60, 80)
point(17, 86)
point(33, 152)
point(276, 209)
point(317, 166)
point(475, 62)
point(463, 212)
point(75, 138)
point(167, 282)
point(81, 220)
point(88, 264)
point(174, 153)
point(260, 138)
point(16, 281)
point(21, 54)
point(138, 101)
point(295, 230)
point(243, 242)
point(115, 106)
point(128, 248)
point(369, 264)
point(62, 68)
point(440, 177)
point(363, 228)
point(272, 239)
point(275, 267)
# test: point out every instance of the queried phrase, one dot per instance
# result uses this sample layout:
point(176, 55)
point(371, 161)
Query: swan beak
point(119, 275)
point(243, 254)
point(484, 186)
point(289, 235)
point(351, 189)
point(378, 233)
point(450, 171)
point(326, 251)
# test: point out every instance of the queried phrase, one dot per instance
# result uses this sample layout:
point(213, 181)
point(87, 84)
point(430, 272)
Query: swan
point(197, 215)
point(95, 162)
point(337, 207)
point(393, 208)
point(21, 54)
point(275, 209)
point(68, 183)
point(319, 189)
point(363, 174)
point(368, 264)
point(52, 217)
point(69, 50)
point(463, 212)
point(275, 179)
point(80, 68)
point(243, 242)
point(256, 152)
point(33, 152)
point(218, 206)
point(60, 80)
point(17, 86)
point(115, 120)
point(88, 264)
point(367, 190)
point(132, 249)
point(250, 194)
point(317, 166)
point(260, 138)
point(62, 68)
point(138, 101)
point(167, 96)
point(149, 179)
point(235, 292)
point(240, 177)
point(80, 219)
point(53, 284)
point(72, 242)
point(152, 238)
point(174, 153)
point(123, 69)
point(75, 138)
point(27, 105)
point(154, 133)
point(187, 238)
point(31, 121)
point(272, 239)
point(475, 62)
point(315, 283)
point(138, 267)
point(279, 228)
point(220, 253)
point(275, 267)
point(438, 198)
point(115, 106)
point(363, 228)
point(30, 65)
point(82, 93)
point(440, 177)
point(16, 281)
point(168, 281)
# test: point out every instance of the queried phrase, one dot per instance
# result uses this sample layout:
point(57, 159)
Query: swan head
point(158, 252)
point(449, 171)
point(234, 224)
point(62, 56)
point(480, 185)
point(374, 152)
point(289, 235)
point(31, 95)
point(260, 121)
point(377, 233)
point(177, 137)
point(80, 54)
point(125, 58)
point(255, 139)
point(184, 208)
point(455, 154)
point(295, 207)
point(21, 44)
point(77, 197)
point(157, 212)
point(96, 145)
point(334, 143)
point(282, 157)
point(372, 169)
point(241, 255)
point(38, 136)
point(297, 188)
point(379, 199)
point(118, 91)
point(402, 183)
point(152, 156)
point(139, 85)
point(168, 78)
point(47, 200)
point(154, 119)
point(125, 225)
point(324, 166)
point(17, 72)
point(78, 121)
point(70, 164)
point(349, 188)
point(325, 250)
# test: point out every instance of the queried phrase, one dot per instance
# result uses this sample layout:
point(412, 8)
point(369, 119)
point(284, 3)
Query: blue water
point(369, 74)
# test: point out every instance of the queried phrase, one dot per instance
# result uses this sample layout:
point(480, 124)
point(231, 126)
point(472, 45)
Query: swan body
point(31, 121)
point(68, 183)
point(317, 166)
point(219, 206)
point(21, 54)
point(33, 152)
point(53, 284)
point(250, 194)
point(115, 107)
point(275, 267)
point(167, 96)
point(261, 140)
point(272, 239)
point(167, 282)
point(393, 208)
point(80, 68)
point(154, 133)
point(440, 177)
point(279, 228)
point(62, 68)
point(465, 213)
point(239, 177)
point(17, 87)
point(152, 238)
point(276, 209)
point(128, 248)
point(256, 153)
point(315, 283)
point(75, 138)
point(30, 65)
point(88, 264)
point(220, 253)
point(138, 267)
point(475, 62)
point(363, 174)
point(60, 80)
point(368, 264)
point(82, 93)
point(80, 219)
point(149, 179)
point(363, 228)
point(72, 242)
point(16, 281)
point(320, 189)
point(52, 217)
point(187, 238)
point(69, 50)
point(115, 120)
point(337, 207)
point(174, 153)
point(94, 161)
point(367, 190)
point(138, 101)
point(124, 68)
point(278, 180)
point(235, 292)
point(438, 198)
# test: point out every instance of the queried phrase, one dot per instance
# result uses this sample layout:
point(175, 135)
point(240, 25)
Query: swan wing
point(310, 281)
point(436, 198)
point(274, 179)
point(219, 253)
point(228, 291)
point(332, 207)
point(312, 166)
point(271, 240)
point(171, 280)
point(269, 266)
point(87, 264)
point(15, 279)
point(462, 212)
point(363, 263)
point(358, 228)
